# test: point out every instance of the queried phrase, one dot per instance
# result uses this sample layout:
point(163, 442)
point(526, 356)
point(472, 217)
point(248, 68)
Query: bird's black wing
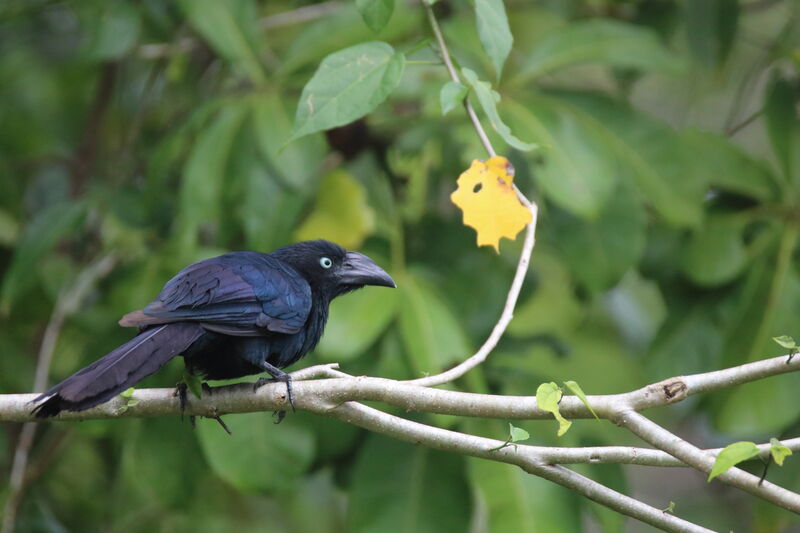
point(240, 293)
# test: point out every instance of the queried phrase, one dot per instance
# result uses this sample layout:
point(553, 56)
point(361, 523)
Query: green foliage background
point(668, 179)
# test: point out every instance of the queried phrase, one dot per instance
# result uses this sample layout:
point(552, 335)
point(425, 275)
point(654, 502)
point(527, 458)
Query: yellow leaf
point(486, 196)
point(341, 213)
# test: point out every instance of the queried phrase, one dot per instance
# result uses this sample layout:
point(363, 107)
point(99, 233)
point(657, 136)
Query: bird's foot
point(181, 390)
point(279, 376)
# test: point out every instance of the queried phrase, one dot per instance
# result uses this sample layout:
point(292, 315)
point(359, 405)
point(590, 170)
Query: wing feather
point(240, 293)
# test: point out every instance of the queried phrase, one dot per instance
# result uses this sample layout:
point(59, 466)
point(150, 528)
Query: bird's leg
point(277, 375)
point(181, 389)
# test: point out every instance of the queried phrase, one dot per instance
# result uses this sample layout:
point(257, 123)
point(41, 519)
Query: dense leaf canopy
point(667, 173)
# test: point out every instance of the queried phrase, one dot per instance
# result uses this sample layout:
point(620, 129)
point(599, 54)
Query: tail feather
point(119, 369)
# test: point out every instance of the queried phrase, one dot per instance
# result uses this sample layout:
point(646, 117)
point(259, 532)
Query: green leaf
point(547, 397)
point(339, 30)
point(763, 306)
point(267, 209)
point(231, 29)
point(127, 394)
point(150, 453)
point(783, 125)
point(574, 168)
point(517, 434)
point(347, 85)
point(602, 250)
point(488, 100)
point(431, 334)
point(257, 456)
point(341, 213)
point(778, 451)
point(689, 342)
point(110, 28)
point(731, 455)
point(376, 13)
point(608, 42)
point(715, 253)
point(356, 321)
point(711, 29)
point(576, 389)
point(786, 341)
point(193, 383)
point(424, 482)
point(662, 165)
point(204, 173)
point(734, 169)
point(515, 501)
point(9, 229)
point(298, 164)
point(47, 228)
point(493, 31)
point(451, 95)
point(553, 307)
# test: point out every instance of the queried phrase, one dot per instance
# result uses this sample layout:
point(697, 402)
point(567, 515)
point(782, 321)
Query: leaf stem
point(445, 53)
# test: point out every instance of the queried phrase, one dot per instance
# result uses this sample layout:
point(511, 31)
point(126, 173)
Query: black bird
point(238, 314)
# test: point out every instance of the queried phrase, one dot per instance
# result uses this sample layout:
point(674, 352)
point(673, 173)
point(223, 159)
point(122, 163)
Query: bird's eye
point(325, 262)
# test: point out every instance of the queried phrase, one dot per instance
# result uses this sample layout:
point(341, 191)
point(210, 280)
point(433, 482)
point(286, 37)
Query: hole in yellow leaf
point(495, 212)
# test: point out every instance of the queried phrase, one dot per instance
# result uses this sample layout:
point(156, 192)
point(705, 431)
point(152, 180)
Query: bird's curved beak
point(358, 269)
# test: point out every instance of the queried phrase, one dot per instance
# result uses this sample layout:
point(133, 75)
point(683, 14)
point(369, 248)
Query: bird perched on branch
point(230, 316)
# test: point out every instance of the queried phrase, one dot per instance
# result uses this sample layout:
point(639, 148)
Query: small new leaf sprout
point(576, 389)
point(193, 383)
point(127, 395)
point(519, 434)
point(731, 455)
point(786, 341)
point(547, 397)
point(669, 509)
point(778, 451)
point(515, 434)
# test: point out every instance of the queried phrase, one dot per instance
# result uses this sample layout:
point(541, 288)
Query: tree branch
point(522, 456)
point(336, 397)
point(654, 434)
point(341, 388)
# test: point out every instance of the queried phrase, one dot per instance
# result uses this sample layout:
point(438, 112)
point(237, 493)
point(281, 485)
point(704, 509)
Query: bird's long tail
point(119, 369)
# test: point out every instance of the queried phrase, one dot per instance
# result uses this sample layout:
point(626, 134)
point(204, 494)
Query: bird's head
point(331, 269)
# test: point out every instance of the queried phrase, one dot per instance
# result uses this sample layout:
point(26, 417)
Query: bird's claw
point(285, 378)
point(181, 392)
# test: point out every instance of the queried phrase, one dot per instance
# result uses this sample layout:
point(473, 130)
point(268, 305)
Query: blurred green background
point(669, 189)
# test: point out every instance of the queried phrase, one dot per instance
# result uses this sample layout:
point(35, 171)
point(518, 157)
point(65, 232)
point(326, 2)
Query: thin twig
point(736, 128)
point(631, 455)
point(527, 247)
point(67, 303)
point(703, 461)
point(448, 62)
point(451, 441)
point(505, 317)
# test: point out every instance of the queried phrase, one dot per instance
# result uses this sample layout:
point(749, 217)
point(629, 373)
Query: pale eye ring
point(325, 262)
